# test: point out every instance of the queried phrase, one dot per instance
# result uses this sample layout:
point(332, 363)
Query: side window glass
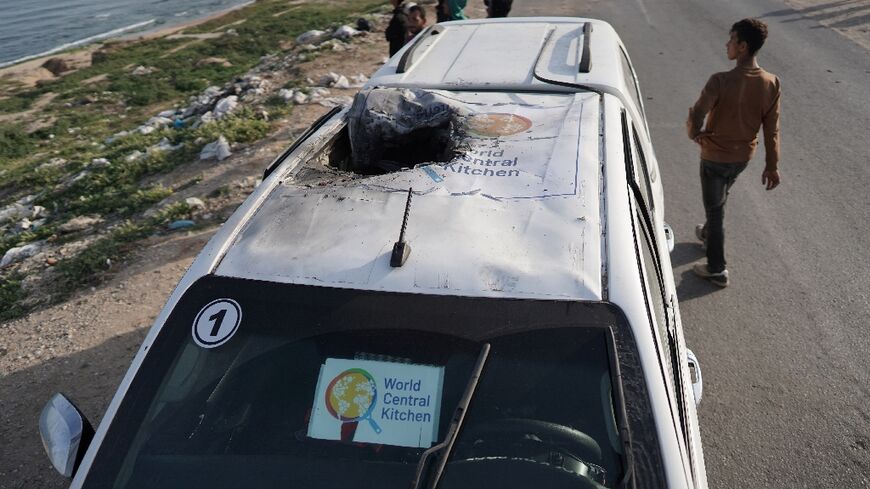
point(648, 173)
point(636, 163)
point(628, 78)
point(656, 294)
point(664, 322)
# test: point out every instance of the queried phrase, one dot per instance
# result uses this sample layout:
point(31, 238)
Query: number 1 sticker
point(216, 323)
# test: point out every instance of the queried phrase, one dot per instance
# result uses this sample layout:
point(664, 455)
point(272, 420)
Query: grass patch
point(83, 115)
point(89, 266)
point(11, 296)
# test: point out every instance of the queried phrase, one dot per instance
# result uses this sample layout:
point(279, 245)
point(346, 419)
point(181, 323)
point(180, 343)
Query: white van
point(462, 280)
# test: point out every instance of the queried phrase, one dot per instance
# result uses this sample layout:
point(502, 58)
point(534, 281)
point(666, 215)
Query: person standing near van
point(736, 104)
point(497, 8)
point(397, 29)
point(454, 9)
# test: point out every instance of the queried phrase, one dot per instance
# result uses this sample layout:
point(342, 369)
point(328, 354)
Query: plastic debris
point(194, 202)
point(311, 37)
point(78, 224)
point(18, 253)
point(219, 149)
point(345, 32)
point(225, 106)
point(142, 70)
point(181, 224)
point(100, 163)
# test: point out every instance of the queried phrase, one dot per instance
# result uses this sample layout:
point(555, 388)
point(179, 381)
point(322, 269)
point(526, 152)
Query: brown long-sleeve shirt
point(737, 104)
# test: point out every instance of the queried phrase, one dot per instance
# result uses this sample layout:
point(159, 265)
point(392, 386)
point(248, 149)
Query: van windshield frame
point(440, 321)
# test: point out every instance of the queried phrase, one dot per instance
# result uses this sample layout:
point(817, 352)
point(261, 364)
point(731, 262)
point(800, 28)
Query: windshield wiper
point(423, 470)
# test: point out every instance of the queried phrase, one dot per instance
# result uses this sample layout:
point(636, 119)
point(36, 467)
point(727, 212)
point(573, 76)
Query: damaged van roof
point(517, 54)
point(516, 213)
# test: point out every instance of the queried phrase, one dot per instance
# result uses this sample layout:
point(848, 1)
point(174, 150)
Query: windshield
point(317, 387)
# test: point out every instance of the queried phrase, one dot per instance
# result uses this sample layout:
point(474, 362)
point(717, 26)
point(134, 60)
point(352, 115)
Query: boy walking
point(736, 104)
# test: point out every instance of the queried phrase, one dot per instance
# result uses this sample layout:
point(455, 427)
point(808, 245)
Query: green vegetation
point(54, 160)
point(11, 296)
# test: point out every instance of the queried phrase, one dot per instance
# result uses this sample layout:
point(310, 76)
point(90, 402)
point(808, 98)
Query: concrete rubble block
point(312, 37)
point(299, 98)
point(79, 223)
point(19, 253)
point(219, 149)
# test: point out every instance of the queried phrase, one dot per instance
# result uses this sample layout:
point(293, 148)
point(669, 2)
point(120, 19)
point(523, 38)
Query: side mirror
point(65, 433)
point(695, 374)
point(670, 237)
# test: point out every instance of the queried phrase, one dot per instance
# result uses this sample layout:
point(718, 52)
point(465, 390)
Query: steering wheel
point(532, 440)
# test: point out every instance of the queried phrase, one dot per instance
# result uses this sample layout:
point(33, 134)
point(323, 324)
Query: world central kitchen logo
point(352, 396)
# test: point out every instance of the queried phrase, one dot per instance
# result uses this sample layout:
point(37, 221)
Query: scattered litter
point(145, 129)
point(100, 163)
point(219, 149)
point(341, 100)
point(286, 94)
point(78, 224)
point(181, 224)
point(17, 253)
point(163, 145)
point(225, 106)
point(134, 156)
point(195, 203)
point(363, 25)
point(357, 81)
point(169, 114)
point(299, 98)
point(142, 70)
point(345, 32)
point(312, 37)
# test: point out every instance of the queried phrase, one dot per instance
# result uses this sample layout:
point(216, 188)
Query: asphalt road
point(784, 350)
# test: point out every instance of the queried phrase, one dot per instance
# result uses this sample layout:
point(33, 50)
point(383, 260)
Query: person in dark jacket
point(441, 11)
point(397, 30)
point(497, 8)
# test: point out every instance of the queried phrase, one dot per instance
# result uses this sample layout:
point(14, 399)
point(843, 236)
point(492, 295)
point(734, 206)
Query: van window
point(636, 163)
point(646, 177)
point(666, 328)
point(628, 78)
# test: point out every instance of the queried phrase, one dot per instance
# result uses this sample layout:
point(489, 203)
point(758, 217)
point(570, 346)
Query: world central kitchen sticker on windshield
point(377, 402)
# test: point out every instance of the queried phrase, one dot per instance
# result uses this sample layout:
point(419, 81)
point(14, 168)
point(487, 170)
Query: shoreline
point(28, 72)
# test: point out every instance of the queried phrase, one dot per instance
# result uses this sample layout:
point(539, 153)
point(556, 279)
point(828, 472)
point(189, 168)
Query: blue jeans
point(716, 181)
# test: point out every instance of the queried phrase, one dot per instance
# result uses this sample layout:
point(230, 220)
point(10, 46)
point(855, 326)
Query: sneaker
point(720, 278)
point(699, 233)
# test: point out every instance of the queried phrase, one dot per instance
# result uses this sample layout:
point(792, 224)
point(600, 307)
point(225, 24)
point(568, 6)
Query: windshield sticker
point(377, 402)
point(216, 323)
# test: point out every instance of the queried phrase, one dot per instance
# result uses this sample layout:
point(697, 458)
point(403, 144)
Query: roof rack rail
point(407, 59)
point(585, 59)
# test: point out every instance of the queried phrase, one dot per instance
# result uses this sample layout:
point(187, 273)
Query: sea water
point(33, 28)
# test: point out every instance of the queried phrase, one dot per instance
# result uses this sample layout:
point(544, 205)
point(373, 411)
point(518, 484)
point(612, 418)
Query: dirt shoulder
point(82, 347)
